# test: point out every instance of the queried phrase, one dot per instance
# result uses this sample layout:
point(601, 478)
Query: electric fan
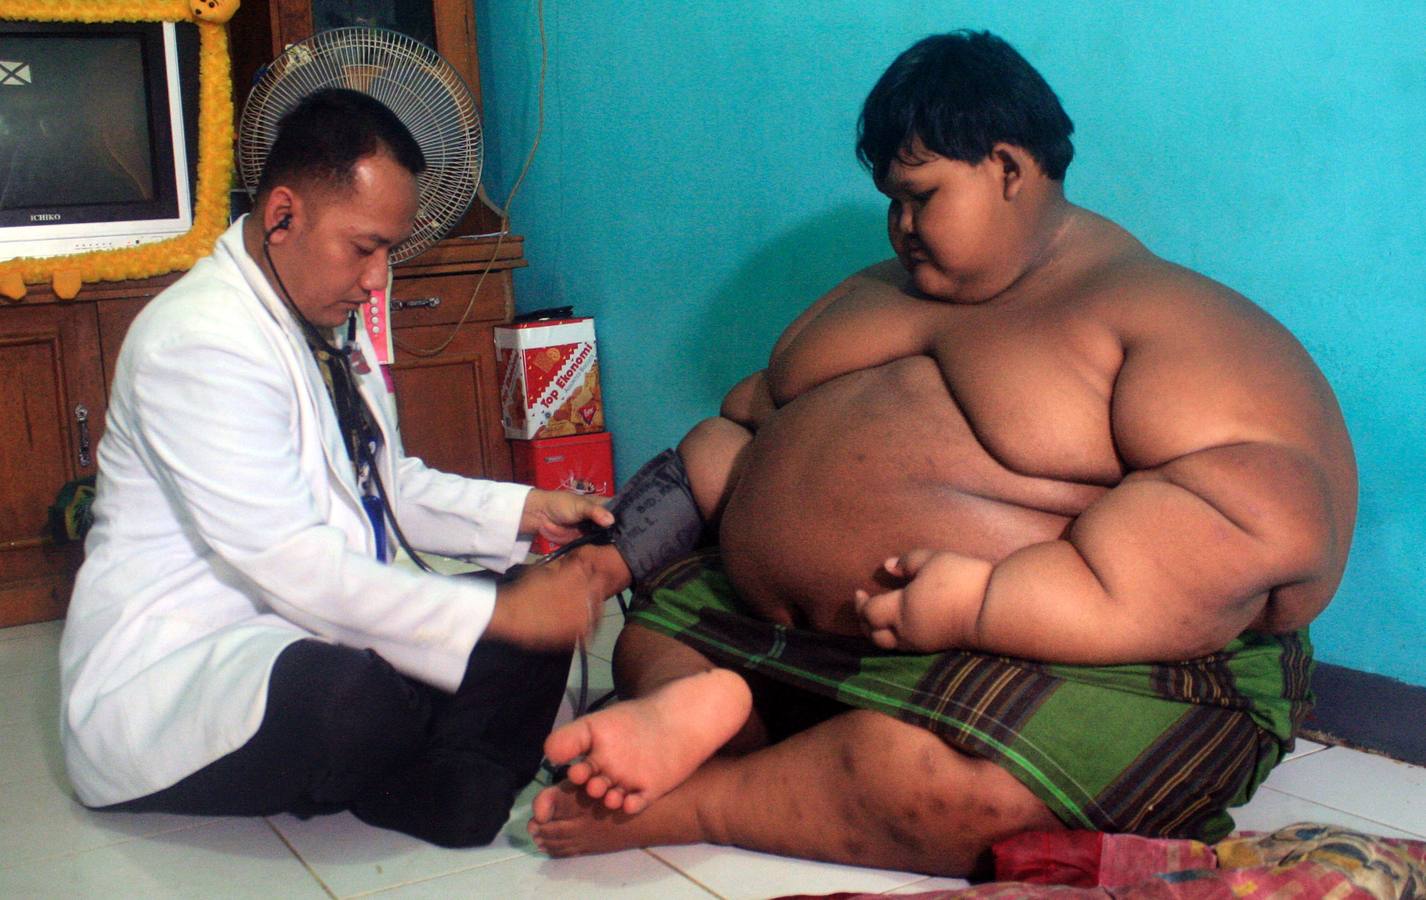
point(413, 81)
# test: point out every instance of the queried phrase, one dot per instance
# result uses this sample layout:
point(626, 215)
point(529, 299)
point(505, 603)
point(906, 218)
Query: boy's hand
point(936, 609)
point(556, 514)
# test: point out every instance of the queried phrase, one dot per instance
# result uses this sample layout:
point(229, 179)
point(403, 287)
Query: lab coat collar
point(232, 249)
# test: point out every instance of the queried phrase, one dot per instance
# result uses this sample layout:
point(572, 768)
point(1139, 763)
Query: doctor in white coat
point(237, 642)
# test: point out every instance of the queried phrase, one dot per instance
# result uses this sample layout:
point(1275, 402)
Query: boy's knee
point(925, 787)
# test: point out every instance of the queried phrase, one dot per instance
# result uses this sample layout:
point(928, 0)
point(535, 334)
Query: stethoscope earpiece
point(282, 225)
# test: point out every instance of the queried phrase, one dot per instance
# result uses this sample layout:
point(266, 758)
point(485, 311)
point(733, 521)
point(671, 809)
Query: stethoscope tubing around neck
point(342, 359)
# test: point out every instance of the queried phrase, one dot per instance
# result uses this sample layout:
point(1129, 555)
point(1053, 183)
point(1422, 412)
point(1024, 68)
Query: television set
point(96, 142)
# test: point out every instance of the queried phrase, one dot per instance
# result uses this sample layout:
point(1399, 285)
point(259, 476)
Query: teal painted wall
point(695, 188)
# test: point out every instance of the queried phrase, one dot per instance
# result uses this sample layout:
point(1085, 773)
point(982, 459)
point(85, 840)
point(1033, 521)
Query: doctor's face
point(336, 250)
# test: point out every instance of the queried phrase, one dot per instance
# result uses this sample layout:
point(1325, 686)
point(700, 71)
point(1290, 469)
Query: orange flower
point(215, 141)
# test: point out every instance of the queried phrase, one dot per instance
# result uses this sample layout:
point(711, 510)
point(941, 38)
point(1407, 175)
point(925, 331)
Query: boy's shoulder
point(1112, 274)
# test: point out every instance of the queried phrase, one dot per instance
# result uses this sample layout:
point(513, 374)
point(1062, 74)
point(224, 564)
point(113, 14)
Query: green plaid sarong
point(1158, 750)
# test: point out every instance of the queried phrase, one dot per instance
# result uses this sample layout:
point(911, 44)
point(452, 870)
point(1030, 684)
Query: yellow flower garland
point(215, 141)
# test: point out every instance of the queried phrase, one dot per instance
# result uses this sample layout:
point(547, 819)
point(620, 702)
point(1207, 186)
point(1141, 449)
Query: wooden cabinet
point(447, 395)
point(58, 356)
point(51, 416)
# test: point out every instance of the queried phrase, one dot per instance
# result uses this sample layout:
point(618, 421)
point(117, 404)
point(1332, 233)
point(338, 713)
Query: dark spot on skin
point(930, 760)
point(799, 618)
point(937, 805)
point(795, 812)
point(848, 759)
point(854, 810)
point(988, 812)
point(904, 837)
point(855, 848)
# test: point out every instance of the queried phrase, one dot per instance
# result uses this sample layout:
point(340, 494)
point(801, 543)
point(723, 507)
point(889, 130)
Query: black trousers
point(344, 730)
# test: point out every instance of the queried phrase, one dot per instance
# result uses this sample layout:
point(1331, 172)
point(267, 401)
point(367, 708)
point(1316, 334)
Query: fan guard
point(413, 81)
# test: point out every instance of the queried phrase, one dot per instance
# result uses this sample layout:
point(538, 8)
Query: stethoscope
point(359, 415)
point(349, 406)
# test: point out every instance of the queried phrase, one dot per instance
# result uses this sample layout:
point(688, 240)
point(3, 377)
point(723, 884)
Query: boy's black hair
point(321, 139)
point(960, 94)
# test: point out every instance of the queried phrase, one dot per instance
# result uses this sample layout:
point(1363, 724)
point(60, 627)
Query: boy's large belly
point(867, 466)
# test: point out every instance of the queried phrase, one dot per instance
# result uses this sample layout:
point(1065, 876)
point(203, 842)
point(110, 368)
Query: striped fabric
point(1156, 750)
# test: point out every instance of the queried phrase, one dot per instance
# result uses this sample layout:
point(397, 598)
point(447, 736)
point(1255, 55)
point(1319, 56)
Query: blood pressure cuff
point(655, 517)
point(656, 520)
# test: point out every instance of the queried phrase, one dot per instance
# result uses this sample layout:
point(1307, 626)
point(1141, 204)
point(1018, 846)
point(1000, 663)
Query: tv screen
point(92, 137)
point(82, 101)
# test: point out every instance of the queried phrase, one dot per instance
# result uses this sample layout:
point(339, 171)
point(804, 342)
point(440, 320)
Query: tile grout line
point(267, 820)
point(683, 874)
point(126, 839)
point(8, 634)
point(436, 877)
point(1356, 815)
point(1298, 756)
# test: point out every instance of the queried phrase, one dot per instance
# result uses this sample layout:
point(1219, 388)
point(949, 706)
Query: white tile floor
point(52, 847)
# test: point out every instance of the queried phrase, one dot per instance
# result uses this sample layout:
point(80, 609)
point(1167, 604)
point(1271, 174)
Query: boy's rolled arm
point(1172, 564)
point(749, 403)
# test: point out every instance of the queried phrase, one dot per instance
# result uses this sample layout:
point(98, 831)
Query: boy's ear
point(1012, 164)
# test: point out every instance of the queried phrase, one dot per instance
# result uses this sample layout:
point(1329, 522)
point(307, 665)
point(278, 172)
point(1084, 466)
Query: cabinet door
point(447, 402)
point(447, 397)
point(50, 368)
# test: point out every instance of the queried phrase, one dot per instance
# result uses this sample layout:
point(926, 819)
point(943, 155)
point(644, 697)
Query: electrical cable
point(509, 199)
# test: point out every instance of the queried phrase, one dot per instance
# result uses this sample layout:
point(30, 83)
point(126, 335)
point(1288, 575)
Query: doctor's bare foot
point(631, 754)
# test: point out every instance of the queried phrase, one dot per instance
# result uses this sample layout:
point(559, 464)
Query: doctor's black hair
point(321, 139)
point(962, 93)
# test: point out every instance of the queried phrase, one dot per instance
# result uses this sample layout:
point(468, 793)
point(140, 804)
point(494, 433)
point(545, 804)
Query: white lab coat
point(228, 525)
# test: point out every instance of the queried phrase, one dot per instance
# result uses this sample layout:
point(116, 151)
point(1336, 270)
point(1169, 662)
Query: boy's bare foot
point(571, 823)
point(636, 751)
point(568, 822)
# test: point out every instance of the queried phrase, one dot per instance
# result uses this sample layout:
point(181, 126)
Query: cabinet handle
point(426, 302)
point(81, 417)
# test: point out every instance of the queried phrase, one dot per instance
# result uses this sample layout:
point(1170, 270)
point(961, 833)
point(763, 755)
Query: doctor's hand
point(936, 607)
point(556, 515)
point(549, 607)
